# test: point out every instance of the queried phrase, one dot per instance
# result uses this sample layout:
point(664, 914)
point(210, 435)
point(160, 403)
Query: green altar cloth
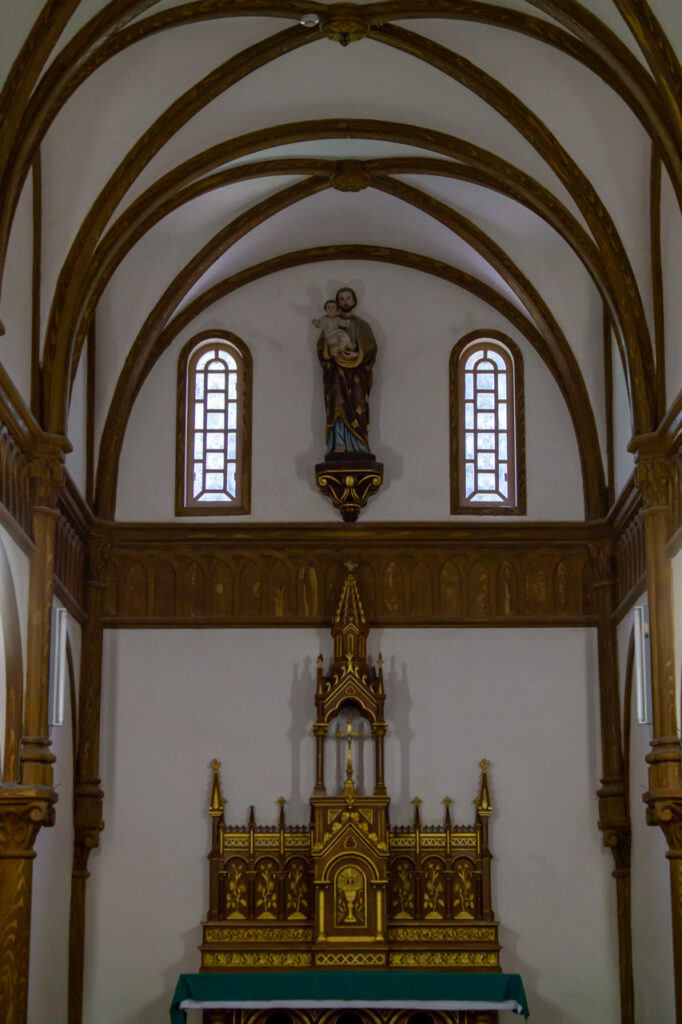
point(417, 990)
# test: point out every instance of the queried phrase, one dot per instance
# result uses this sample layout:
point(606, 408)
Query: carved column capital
point(99, 556)
point(23, 812)
point(47, 480)
point(653, 476)
point(664, 809)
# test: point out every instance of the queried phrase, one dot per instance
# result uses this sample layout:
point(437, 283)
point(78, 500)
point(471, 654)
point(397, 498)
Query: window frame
point(459, 503)
point(185, 504)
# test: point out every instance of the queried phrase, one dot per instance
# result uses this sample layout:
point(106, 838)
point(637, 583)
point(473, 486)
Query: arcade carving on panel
point(349, 890)
point(275, 578)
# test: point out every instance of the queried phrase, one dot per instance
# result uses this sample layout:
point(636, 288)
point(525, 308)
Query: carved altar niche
point(348, 890)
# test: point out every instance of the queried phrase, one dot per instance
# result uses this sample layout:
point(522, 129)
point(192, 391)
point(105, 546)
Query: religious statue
point(347, 349)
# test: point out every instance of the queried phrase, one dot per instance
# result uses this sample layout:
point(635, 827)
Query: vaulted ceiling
point(528, 152)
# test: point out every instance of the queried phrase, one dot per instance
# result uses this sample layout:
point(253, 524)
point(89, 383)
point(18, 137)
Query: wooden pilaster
point(614, 816)
point(664, 798)
point(29, 804)
point(88, 795)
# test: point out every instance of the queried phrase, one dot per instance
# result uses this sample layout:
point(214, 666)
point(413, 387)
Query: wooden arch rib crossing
point(585, 38)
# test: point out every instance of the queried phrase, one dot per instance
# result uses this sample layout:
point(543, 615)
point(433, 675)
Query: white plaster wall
point(624, 461)
point(651, 917)
point(18, 570)
point(76, 459)
point(590, 121)
point(16, 297)
point(174, 700)
point(671, 250)
point(417, 320)
point(48, 979)
point(19, 565)
point(677, 613)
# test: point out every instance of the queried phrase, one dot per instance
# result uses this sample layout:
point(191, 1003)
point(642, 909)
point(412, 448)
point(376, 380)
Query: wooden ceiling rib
point(29, 104)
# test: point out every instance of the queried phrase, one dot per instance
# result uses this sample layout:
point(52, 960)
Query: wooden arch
point(147, 350)
point(633, 333)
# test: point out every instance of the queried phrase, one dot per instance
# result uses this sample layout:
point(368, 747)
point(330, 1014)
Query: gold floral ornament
point(344, 25)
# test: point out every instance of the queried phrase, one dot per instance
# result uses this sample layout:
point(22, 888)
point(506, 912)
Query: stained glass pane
point(473, 359)
point(486, 442)
point(486, 481)
point(215, 389)
point(469, 446)
point(198, 478)
point(502, 413)
point(485, 400)
point(469, 415)
point(485, 381)
point(468, 385)
point(502, 477)
point(485, 365)
point(204, 359)
point(496, 358)
point(214, 481)
point(469, 479)
point(502, 385)
point(502, 446)
point(486, 460)
point(485, 421)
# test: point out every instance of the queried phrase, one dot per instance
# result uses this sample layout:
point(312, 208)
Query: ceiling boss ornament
point(347, 350)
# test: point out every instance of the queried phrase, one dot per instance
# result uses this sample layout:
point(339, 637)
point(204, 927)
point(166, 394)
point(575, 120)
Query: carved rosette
point(349, 485)
point(345, 24)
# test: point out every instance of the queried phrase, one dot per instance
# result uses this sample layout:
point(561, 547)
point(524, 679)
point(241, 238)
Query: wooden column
point(614, 816)
point(664, 798)
point(88, 795)
point(29, 804)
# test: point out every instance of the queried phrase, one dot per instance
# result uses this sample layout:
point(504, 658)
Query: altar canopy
point(417, 990)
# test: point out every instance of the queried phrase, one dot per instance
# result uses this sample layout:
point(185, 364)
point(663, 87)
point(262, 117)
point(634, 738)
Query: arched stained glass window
point(214, 384)
point(486, 424)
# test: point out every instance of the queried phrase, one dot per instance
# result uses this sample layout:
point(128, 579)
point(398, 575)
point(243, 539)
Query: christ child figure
point(337, 341)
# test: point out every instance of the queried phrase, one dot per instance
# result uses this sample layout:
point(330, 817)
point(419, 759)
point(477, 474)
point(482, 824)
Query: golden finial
point(281, 801)
point(320, 661)
point(417, 817)
point(216, 803)
point(350, 565)
point(483, 803)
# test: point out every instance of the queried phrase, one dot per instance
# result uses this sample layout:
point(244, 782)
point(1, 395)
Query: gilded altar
point(348, 889)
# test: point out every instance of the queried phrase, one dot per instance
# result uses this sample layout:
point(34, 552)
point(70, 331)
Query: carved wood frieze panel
point(269, 576)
